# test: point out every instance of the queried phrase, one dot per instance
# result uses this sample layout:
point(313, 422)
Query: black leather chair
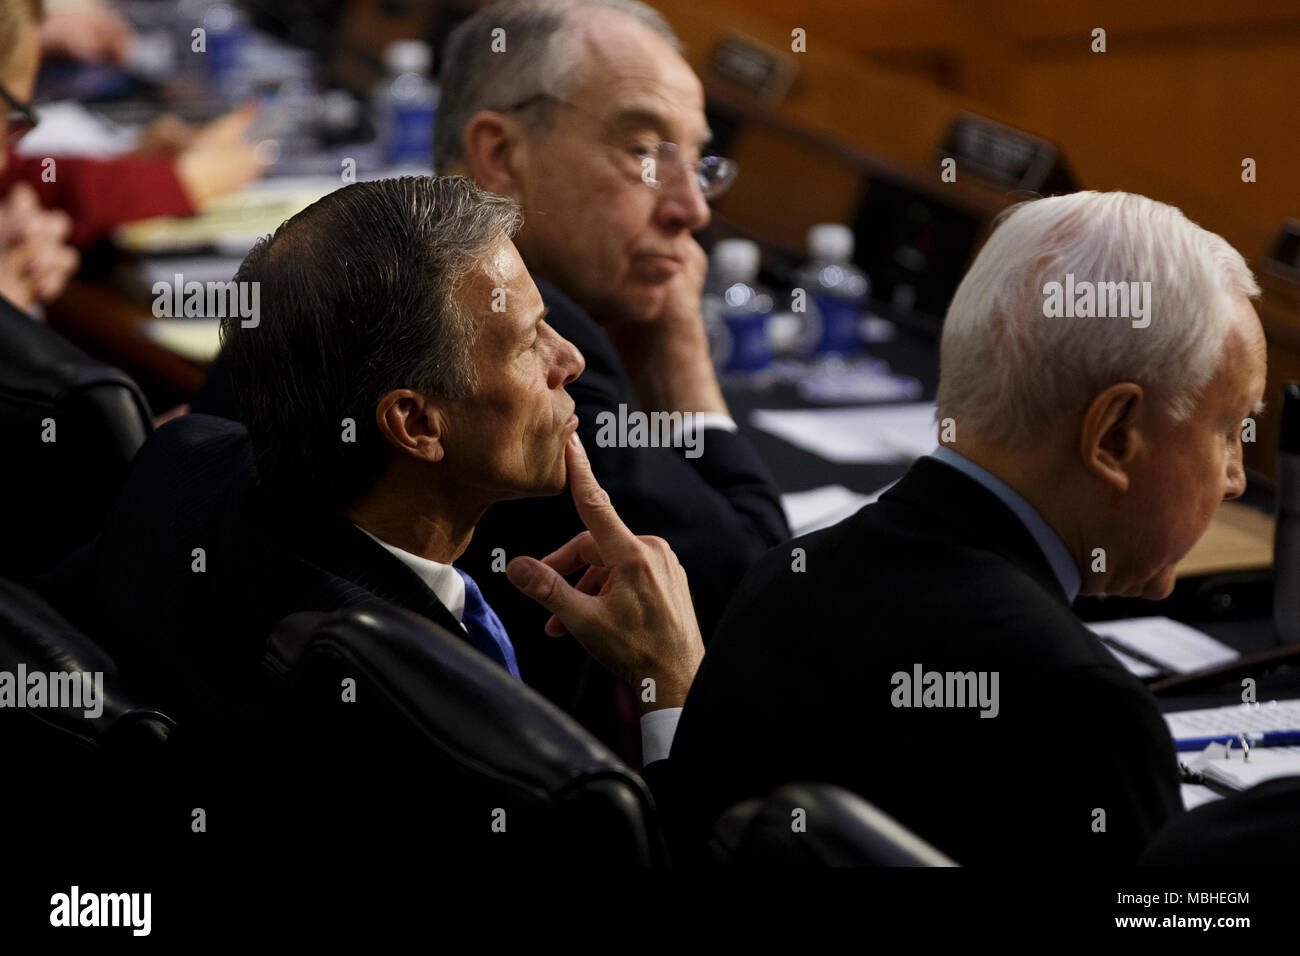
point(37, 639)
point(73, 773)
point(441, 752)
point(835, 828)
point(58, 492)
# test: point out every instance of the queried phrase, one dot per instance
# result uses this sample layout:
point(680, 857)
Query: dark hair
point(357, 297)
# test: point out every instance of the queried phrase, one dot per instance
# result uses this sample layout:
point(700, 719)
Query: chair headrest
point(816, 824)
point(467, 706)
point(36, 640)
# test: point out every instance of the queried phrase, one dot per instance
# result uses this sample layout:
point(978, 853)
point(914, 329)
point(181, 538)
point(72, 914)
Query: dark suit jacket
point(1257, 827)
point(798, 686)
point(197, 637)
point(719, 512)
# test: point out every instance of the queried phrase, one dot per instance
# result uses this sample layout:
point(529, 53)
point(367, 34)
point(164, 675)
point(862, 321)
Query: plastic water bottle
point(405, 104)
point(836, 288)
point(227, 34)
point(741, 306)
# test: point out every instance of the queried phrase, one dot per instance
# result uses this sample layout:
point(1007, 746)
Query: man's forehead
point(630, 68)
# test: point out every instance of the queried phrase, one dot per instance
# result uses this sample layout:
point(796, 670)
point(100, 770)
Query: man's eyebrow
point(639, 116)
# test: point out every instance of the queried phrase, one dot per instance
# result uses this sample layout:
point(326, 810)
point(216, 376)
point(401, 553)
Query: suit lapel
point(334, 545)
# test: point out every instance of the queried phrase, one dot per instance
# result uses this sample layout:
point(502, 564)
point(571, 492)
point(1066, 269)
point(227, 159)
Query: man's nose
point(1236, 484)
point(569, 363)
point(681, 202)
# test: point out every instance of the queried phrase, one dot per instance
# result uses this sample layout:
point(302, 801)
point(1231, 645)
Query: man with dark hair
point(592, 121)
point(399, 377)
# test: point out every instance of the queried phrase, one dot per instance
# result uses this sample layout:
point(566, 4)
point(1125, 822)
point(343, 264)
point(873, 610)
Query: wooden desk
point(111, 326)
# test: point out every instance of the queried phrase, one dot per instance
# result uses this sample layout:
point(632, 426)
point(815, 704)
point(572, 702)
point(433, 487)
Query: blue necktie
point(486, 632)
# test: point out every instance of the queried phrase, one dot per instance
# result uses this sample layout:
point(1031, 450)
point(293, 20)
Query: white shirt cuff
point(658, 727)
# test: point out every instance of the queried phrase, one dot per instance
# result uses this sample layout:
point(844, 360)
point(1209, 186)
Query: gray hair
point(1009, 371)
point(358, 297)
point(538, 59)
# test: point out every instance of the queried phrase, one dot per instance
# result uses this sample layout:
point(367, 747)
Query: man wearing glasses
point(594, 123)
point(35, 260)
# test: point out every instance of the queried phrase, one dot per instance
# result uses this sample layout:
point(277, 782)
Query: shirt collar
point(1051, 545)
point(442, 579)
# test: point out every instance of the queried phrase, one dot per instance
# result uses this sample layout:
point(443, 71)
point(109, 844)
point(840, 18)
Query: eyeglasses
point(21, 118)
point(657, 164)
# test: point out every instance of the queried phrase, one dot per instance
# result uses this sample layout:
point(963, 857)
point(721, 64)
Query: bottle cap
point(736, 260)
point(408, 56)
point(830, 241)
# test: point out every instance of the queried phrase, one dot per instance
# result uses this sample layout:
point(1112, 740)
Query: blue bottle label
point(839, 331)
point(751, 349)
point(412, 135)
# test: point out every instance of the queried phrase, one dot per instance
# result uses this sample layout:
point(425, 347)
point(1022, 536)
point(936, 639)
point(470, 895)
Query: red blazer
point(101, 194)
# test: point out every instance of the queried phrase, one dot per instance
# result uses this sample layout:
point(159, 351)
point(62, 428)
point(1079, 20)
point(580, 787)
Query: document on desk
point(864, 434)
point(1231, 768)
point(809, 511)
point(198, 340)
point(1161, 644)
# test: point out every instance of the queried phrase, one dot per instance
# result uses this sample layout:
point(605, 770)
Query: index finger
point(597, 512)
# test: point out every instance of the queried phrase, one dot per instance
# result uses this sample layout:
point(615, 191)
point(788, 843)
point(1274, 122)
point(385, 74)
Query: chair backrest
point(36, 640)
point(71, 426)
point(816, 824)
point(443, 746)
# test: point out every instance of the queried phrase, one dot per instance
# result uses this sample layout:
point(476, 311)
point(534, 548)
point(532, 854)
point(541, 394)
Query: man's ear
point(411, 423)
point(495, 147)
point(1111, 437)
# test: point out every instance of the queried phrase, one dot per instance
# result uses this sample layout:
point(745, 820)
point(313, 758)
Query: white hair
point(1009, 372)
point(539, 58)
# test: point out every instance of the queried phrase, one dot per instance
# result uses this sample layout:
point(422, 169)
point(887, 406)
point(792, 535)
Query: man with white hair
point(927, 658)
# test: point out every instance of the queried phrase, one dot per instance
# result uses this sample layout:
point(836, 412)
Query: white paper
point(197, 339)
point(68, 129)
point(818, 508)
point(1173, 645)
point(1239, 773)
point(867, 434)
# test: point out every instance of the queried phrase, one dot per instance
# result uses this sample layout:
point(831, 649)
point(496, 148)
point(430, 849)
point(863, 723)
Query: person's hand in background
point(219, 159)
point(632, 609)
point(167, 135)
point(668, 358)
point(87, 30)
point(35, 258)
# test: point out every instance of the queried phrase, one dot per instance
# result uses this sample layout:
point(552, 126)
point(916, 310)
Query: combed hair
point(14, 16)
point(538, 58)
point(1008, 373)
point(358, 297)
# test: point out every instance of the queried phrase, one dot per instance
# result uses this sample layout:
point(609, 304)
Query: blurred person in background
point(35, 260)
point(176, 168)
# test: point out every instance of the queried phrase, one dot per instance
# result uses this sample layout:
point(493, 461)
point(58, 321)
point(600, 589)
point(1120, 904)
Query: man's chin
point(1159, 587)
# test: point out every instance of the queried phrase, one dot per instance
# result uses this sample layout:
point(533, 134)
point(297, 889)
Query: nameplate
point(753, 66)
point(1003, 155)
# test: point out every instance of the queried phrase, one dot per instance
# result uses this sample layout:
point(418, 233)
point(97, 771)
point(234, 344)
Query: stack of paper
point(868, 434)
point(1148, 646)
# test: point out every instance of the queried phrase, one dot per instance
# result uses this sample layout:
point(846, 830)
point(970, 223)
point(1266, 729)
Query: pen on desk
point(1274, 738)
